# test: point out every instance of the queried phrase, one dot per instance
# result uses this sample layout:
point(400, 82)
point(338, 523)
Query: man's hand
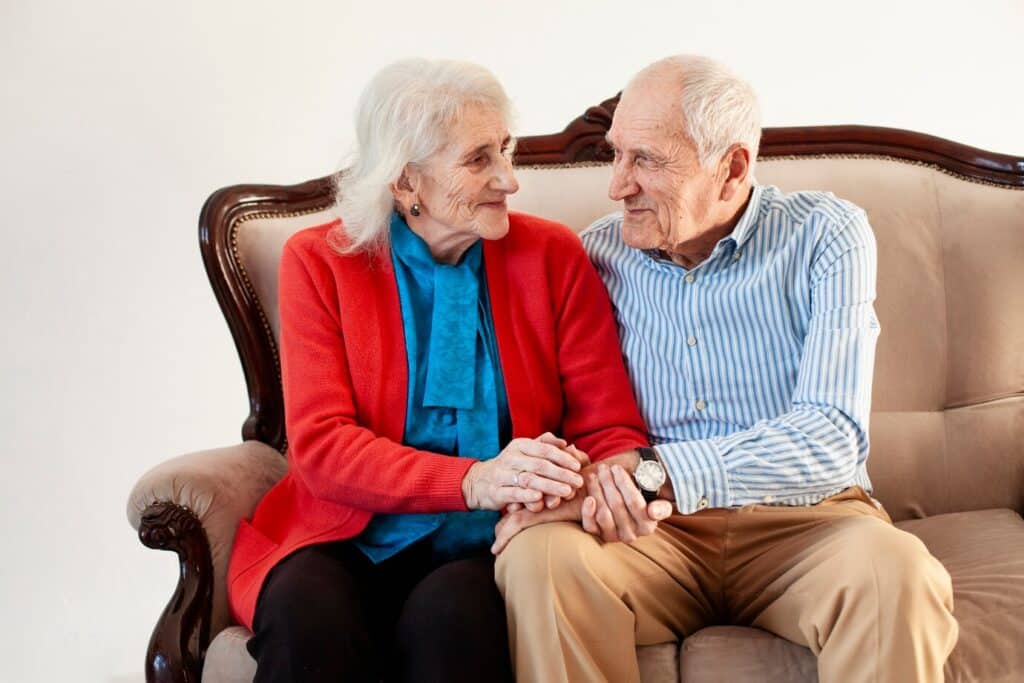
point(614, 508)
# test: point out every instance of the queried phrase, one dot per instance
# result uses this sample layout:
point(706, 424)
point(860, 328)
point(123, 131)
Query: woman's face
point(461, 190)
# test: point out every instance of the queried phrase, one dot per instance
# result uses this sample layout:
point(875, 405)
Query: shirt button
point(691, 341)
point(702, 503)
point(769, 499)
point(700, 405)
point(689, 279)
point(736, 256)
point(448, 418)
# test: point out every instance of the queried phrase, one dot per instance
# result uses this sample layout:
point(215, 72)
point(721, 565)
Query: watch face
point(649, 475)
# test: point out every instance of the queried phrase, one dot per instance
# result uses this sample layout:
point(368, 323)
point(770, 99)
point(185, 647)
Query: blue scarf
point(456, 399)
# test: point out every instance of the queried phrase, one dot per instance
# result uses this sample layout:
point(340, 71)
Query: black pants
point(327, 613)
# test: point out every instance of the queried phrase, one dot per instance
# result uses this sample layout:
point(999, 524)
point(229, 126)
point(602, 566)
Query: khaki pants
point(837, 577)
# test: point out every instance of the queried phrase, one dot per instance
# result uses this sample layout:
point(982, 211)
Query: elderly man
point(746, 320)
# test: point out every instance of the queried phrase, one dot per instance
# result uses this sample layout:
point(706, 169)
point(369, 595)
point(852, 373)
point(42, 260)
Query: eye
point(643, 161)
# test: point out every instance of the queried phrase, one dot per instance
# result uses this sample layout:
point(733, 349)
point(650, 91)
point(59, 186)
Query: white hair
point(402, 118)
point(720, 109)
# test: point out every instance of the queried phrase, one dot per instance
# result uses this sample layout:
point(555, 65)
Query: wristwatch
point(649, 474)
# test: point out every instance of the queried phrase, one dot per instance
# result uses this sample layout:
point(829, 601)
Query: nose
point(505, 178)
point(622, 183)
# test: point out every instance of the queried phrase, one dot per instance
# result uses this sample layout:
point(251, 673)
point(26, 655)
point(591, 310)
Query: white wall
point(117, 119)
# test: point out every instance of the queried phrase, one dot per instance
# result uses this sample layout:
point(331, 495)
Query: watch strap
point(647, 453)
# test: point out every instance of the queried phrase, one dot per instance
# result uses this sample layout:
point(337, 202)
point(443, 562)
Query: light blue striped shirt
point(753, 369)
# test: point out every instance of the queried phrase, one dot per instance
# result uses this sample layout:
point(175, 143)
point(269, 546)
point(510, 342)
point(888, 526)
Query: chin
point(639, 236)
point(493, 229)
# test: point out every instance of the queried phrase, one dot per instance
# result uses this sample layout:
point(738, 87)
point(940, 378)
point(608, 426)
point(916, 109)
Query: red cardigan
point(343, 365)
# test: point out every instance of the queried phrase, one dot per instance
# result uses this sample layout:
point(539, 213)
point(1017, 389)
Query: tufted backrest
point(947, 427)
point(947, 424)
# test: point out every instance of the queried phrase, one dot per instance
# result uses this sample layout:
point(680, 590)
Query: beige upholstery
point(259, 244)
point(735, 654)
point(949, 375)
point(227, 660)
point(221, 486)
point(948, 414)
point(984, 553)
point(948, 423)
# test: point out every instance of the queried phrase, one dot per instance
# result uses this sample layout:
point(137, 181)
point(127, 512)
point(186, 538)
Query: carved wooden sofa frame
point(183, 632)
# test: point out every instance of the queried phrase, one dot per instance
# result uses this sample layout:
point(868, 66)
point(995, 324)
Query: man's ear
point(734, 169)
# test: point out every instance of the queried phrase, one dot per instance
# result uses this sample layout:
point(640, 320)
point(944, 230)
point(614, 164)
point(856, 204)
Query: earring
point(414, 209)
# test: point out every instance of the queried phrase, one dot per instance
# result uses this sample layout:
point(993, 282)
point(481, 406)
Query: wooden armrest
point(192, 505)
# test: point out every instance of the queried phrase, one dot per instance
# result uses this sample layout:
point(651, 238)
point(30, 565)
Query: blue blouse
point(456, 399)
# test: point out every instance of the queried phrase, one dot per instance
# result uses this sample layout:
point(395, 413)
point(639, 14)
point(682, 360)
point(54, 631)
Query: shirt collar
point(748, 221)
point(741, 233)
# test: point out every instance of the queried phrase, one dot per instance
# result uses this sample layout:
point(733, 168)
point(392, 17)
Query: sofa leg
point(182, 634)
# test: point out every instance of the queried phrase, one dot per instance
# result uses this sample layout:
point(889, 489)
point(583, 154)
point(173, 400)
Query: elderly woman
point(432, 345)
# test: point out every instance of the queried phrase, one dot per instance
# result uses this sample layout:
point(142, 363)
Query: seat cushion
point(737, 653)
point(227, 660)
point(983, 551)
point(658, 662)
point(984, 554)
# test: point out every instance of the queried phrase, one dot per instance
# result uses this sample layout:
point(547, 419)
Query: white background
point(117, 119)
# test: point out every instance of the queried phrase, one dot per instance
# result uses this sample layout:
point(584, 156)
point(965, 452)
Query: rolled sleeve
point(815, 448)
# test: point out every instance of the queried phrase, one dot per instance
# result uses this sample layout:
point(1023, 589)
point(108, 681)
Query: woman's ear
point(405, 189)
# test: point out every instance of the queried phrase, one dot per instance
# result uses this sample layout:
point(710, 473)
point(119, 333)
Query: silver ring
point(518, 483)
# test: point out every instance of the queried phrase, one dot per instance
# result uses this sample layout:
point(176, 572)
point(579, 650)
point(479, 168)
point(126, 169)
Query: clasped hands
point(528, 472)
point(537, 481)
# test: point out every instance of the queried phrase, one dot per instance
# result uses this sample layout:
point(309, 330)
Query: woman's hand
point(551, 502)
point(524, 472)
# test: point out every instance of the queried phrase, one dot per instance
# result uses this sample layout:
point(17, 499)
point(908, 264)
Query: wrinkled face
point(462, 188)
point(667, 196)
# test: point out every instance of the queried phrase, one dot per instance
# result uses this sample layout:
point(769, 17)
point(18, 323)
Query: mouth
point(500, 205)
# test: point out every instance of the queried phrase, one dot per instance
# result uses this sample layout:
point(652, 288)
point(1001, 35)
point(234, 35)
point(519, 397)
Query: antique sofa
point(947, 430)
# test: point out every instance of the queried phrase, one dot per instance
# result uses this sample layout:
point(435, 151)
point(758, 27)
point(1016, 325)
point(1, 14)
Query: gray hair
point(720, 109)
point(402, 118)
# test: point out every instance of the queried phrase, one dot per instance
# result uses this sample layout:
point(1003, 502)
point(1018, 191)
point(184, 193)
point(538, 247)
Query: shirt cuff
point(697, 474)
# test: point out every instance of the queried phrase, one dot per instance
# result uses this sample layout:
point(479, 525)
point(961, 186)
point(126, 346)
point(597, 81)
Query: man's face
point(668, 197)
